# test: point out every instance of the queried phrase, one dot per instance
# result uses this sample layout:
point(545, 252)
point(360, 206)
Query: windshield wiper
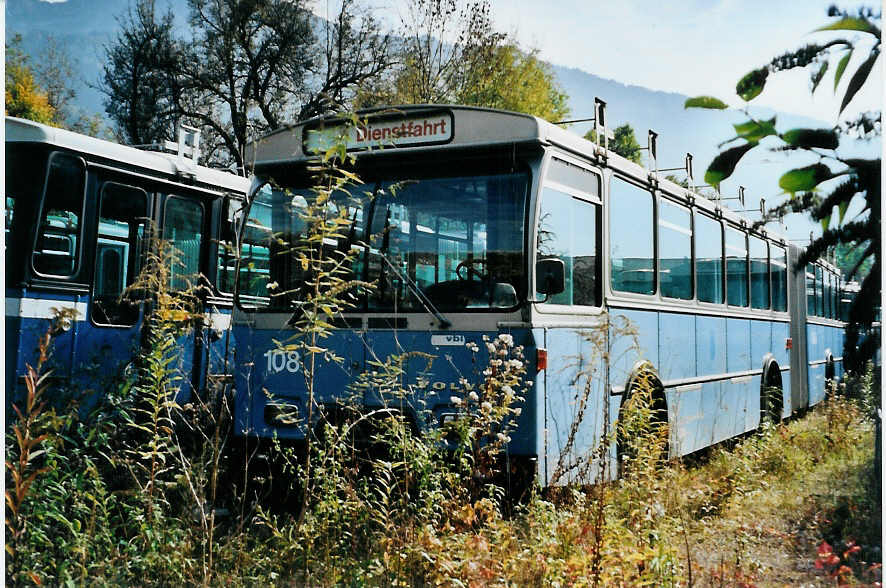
point(413, 287)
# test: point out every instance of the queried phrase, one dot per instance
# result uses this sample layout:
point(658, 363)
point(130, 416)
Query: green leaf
point(804, 178)
point(705, 102)
point(819, 75)
point(811, 138)
point(851, 24)
point(755, 130)
point(750, 86)
point(825, 222)
point(859, 78)
point(724, 164)
point(841, 67)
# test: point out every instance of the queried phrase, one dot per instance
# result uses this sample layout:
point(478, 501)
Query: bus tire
point(771, 392)
point(643, 375)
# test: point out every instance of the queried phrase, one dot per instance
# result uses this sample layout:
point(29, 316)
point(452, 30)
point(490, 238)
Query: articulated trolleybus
point(497, 223)
point(78, 213)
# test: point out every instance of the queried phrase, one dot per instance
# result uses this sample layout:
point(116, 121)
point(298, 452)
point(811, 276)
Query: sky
point(694, 47)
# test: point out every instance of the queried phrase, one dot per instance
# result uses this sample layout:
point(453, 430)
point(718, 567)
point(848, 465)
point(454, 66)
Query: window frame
point(201, 263)
point(78, 253)
point(768, 263)
point(747, 273)
point(673, 201)
point(578, 194)
point(653, 195)
point(719, 220)
point(134, 255)
point(782, 248)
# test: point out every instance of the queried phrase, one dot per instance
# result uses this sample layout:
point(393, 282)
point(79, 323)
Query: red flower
point(825, 548)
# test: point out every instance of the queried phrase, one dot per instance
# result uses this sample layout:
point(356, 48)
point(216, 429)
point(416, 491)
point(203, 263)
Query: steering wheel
point(468, 265)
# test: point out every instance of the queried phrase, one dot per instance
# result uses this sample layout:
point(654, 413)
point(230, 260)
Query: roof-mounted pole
point(599, 121)
point(687, 167)
point(740, 197)
point(652, 148)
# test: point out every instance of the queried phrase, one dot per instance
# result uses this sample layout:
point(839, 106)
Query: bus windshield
point(458, 239)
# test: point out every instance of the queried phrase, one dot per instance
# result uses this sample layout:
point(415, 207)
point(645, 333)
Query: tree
point(452, 54)
point(828, 187)
point(54, 71)
point(518, 81)
point(137, 77)
point(624, 142)
point(249, 67)
point(24, 97)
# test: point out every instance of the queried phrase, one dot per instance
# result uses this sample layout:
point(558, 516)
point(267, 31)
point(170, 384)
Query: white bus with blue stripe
point(485, 200)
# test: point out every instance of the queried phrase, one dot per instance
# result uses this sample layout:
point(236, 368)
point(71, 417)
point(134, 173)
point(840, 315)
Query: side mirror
point(550, 276)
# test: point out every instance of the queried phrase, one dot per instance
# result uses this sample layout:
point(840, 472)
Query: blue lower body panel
point(429, 370)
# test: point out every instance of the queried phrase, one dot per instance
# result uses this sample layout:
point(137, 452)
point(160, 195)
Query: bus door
point(111, 338)
point(217, 338)
point(185, 222)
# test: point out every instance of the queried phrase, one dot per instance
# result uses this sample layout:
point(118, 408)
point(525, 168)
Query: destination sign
point(398, 132)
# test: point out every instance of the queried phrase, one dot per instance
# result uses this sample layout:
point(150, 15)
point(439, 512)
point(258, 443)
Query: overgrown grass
point(795, 503)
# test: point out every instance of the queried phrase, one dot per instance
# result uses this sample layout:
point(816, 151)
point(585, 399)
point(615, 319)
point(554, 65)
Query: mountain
point(85, 27)
point(81, 27)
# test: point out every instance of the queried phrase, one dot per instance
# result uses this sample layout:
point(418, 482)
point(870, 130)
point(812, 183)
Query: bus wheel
point(771, 397)
point(642, 429)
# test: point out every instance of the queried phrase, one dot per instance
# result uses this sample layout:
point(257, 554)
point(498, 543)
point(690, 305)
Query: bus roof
point(425, 127)
point(25, 131)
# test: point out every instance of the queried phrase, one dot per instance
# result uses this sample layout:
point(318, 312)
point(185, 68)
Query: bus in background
point(505, 224)
point(78, 215)
point(825, 328)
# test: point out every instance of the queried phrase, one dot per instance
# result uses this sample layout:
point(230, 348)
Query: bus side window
point(709, 258)
point(183, 230)
point(829, 296)
point(568, 230)
point(120, 240)
point(810, 289)
point(10, 210)
point(736, 267)
point(778, 270)
point(837, 296)
point(759, 255)
point(819, 291)
point(675, 250)
point(631, 238)
point(58, 239)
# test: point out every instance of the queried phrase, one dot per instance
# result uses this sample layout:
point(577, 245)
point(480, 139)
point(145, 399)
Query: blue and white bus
point(78, 215)
point(484, 201)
